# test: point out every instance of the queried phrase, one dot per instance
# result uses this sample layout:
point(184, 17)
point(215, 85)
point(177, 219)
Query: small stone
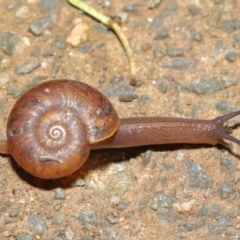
point(153, 3)
point(4, 78)
point(23, 12)
point(117, 78)
point(78, 35)
point(220, 225)
point(228, 164)
point(197, 177)
point(88, 217)
point(11, 43)
point(27, 67)
point(146, 157)
point(226, 107)
point(59, 193)
point(37, 224)
point(84, 48)
point(180, 64)
point(23, 236)
point(158, 53)
point(110, 233)
point(184, 207)
point(162, 34)
point(231, 56)
point(211, 85)
point(193, 10)
point(185, 227)
point(41, 26)
point(70, 235)
point(161, 201)
point(48, 5)
point(226, 189)
point(175, 52)
point(14, 212)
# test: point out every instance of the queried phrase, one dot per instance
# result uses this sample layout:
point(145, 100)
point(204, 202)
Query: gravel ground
point(187, 59)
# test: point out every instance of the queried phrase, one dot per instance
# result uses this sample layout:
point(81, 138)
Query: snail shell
point(51, 127)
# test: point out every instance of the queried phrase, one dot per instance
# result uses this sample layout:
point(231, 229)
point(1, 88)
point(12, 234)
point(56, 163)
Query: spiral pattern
point(51, 127)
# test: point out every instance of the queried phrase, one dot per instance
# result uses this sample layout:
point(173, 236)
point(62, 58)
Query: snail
point(53, 126)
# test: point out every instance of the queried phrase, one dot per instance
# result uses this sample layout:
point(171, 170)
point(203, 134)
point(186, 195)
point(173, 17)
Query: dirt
point(130, 193)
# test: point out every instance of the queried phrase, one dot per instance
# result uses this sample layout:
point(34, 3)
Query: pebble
point(228, 163)
point(185, 227)
point(167, 215)
point(70, 235)
point(84, 48)
point(132, 7)
point(59, 193)
point(153, 3)
point(48, 5)
point(14, 213)
point(11, 43)
point(204, 210)
point(106, 3)
point(220, 225)
point(27, 67)
point(87, 238)
point(23, 236)
point(127, 97)
point(118, 90)
point(41, 26)
point(215, 209)
point(88, 217)
point(123, 16)
point(175, 52)
point(23, 12)
point(236, 37)
point(116, 79)
point(184, 207)
point(37, 224)
point(226, 107)
point(231, 56)
point(122, 205)
point(78, 35)
point(193, 10)
point(230, 26)
point(59, 42)
point(58, 219)
point(158, 52)
point(109, 233)
point(4, 78)
point(161, 201)
point(146, 157)
point(180, 64)
point(226, 189)
point(156, 23)
point(162, 34)
point(56, 64)
point(195, 35)
point(211, 85)
point(197, 178)
point(79, 183)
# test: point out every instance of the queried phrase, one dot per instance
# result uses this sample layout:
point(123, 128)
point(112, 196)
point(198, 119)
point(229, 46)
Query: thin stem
point(111, 24)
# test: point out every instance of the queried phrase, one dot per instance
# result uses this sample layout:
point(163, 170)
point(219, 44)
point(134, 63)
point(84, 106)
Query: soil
point(187, 56)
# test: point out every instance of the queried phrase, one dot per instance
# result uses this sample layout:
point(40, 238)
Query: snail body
point(53, 126)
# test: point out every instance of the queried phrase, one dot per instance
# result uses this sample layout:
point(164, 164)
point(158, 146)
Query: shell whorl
point(51, 127)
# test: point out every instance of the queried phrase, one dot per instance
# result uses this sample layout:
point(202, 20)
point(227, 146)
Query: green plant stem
point(110, 24)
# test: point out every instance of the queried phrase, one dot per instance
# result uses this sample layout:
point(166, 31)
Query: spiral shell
point(51, 127)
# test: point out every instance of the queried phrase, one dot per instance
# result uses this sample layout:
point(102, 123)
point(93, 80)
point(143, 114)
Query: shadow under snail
point(53, 126)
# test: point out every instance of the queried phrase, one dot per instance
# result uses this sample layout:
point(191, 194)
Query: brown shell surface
point(51, 127)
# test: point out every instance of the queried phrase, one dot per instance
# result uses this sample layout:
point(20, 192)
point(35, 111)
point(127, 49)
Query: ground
point(187, 56)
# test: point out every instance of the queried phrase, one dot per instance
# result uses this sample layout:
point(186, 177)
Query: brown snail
point(53, 126)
